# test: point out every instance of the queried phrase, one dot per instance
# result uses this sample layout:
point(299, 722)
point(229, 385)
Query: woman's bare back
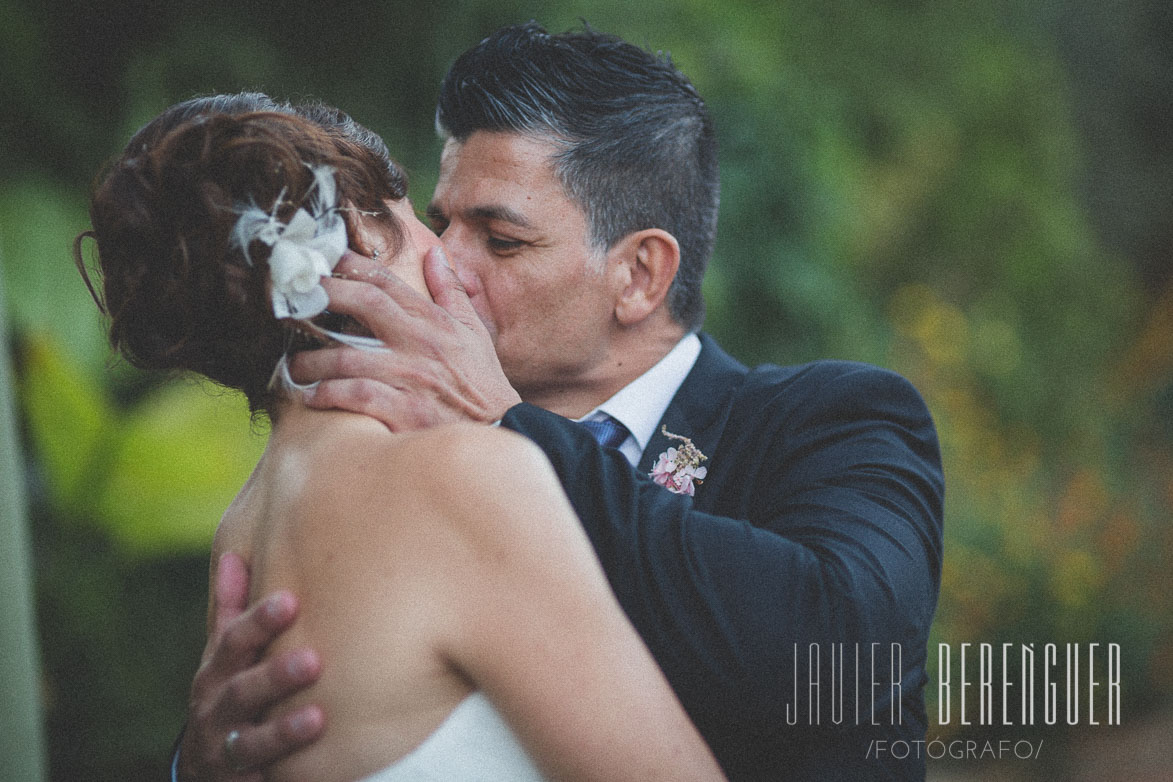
point(336, 513)
point(435, 563)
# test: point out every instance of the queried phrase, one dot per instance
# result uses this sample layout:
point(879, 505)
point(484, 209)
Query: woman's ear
point(649, 260)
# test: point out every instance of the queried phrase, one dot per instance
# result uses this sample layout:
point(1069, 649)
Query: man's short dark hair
point(638, 149)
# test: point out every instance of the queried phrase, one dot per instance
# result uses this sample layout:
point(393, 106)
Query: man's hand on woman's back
point(234, 687)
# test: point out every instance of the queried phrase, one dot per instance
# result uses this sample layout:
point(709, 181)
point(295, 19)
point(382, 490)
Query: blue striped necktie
point(608, 432)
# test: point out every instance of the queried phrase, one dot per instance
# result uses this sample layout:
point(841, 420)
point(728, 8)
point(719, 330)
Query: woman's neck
point(291, 418)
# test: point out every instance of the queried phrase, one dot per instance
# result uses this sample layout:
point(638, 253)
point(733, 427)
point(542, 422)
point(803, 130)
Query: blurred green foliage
point(975, 195)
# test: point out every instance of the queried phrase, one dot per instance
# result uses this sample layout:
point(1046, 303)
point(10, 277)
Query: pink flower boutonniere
point(679, 469)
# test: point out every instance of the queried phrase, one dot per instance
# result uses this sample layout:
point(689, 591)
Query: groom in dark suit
point(774, 534)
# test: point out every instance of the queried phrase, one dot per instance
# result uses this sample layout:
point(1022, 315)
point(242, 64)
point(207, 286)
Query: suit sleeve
point(826, 529)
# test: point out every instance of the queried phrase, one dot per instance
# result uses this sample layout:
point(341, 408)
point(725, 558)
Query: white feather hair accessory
point(304, 250)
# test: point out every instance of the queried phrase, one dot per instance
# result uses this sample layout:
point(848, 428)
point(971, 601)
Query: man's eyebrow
point(490, 212)
point(484, 213)
point(500, 213)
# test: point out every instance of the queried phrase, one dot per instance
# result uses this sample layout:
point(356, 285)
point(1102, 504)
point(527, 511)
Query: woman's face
point(408, 263)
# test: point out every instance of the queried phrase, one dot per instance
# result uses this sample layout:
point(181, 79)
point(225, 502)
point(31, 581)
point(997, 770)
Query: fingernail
point(295, 665)
point(298, 724)
point(305, 723)
point(301, 664)
point(278, 607)
point(444, 257)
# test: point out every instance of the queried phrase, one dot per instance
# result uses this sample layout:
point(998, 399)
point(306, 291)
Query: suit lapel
point(701, 405)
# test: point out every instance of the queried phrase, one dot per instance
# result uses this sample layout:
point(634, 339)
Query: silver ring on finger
point(230, 750)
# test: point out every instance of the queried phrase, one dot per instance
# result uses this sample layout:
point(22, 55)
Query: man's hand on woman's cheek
point(438, 367)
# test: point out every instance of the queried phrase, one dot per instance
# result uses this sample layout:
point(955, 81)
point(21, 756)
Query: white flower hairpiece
point(305, 249)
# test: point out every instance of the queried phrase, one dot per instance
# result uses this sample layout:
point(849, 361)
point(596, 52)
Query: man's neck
point(632, 353)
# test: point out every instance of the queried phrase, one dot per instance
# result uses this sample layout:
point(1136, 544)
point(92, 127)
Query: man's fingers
point(245, 637)
point(392, 314)
point(342, 362)
point(393, 408)
point(231, 590)
point(352, 266)
point(257, 689)
point(257, 746)
point(234, 691)
point(446, 288)
point(355, 394)
point(356, 268)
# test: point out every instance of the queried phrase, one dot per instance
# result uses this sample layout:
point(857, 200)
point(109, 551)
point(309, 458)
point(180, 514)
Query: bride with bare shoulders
point(467, 630)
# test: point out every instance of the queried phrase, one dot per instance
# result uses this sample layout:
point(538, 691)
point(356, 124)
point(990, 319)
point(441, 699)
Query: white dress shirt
point(640, 404)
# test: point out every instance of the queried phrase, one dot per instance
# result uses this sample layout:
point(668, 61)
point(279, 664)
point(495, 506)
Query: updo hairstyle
point(176, 294)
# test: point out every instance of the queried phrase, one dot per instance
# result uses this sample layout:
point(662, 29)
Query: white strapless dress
point(473, 744)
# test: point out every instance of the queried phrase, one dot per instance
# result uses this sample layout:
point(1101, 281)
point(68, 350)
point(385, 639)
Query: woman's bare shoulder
point(448, 443)
point(466, 444)
point(473, 465)
point(365, 471)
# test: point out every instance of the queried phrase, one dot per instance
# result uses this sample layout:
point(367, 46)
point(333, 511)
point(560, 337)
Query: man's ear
point(649, 260)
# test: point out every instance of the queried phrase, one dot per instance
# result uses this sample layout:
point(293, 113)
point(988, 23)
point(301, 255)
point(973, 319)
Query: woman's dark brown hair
point(177, 295)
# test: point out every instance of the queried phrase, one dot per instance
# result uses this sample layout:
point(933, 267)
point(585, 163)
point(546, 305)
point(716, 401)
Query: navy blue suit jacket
point(816, 532)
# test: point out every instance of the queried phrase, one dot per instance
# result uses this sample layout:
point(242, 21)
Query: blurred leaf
point(180, 459)
point(157, 477)
point(46, 295)
point(70, 423)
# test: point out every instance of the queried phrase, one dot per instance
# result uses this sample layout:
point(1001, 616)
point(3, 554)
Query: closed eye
point(436, 220)
point(497, 244)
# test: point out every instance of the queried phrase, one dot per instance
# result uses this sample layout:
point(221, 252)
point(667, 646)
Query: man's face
point(521, 249)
